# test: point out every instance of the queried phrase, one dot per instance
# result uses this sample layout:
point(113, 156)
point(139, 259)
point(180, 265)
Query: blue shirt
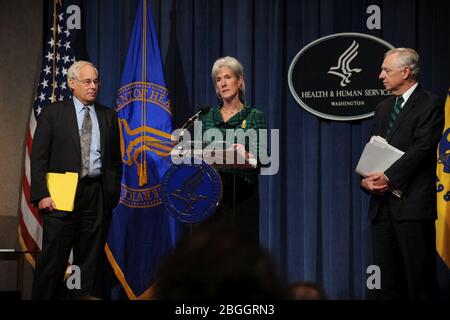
point(95, 163)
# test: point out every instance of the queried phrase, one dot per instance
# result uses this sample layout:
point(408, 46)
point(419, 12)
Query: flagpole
point(54, 49)
point(143, 171)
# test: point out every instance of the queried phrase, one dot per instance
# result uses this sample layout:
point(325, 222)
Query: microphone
point(204, 109)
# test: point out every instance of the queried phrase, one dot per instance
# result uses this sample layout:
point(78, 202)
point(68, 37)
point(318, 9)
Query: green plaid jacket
point(247, 118)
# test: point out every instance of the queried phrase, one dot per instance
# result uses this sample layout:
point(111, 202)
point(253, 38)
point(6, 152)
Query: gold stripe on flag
point(443, 190)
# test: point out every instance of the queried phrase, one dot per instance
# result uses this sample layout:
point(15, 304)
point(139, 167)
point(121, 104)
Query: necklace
point(233, 111)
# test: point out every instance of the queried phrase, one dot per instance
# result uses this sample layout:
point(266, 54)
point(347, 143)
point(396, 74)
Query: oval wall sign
point(336, 77)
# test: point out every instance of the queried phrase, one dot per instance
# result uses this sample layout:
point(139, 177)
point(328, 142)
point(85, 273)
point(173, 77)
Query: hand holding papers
point(377, 156)
point(62, 188)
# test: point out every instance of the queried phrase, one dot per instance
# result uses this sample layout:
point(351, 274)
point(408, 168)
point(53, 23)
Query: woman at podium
point(233, 119)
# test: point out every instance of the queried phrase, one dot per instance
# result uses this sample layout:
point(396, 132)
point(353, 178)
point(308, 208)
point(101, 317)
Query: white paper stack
point(377, 156)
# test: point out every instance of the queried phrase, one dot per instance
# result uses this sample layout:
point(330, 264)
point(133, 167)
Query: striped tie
point(85, 142)
point(394, 113)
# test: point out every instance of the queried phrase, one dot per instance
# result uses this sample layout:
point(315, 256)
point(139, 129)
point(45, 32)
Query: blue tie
point(394, 113)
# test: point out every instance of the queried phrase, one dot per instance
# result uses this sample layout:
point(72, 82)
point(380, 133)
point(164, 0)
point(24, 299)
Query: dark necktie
point(85, 141)
point(394, 113)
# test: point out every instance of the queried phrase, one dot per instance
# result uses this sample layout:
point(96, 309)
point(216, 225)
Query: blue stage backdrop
point(314, 215)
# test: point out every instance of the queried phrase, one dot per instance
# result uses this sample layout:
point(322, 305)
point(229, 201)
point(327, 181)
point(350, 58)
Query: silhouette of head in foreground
point(216, 264)
point(307, 291)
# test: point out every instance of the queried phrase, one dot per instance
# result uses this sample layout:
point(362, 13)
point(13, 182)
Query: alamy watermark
point(374, 20)
point(236, 147)
point(73, 17)
point(73, 281)
point(374, 280)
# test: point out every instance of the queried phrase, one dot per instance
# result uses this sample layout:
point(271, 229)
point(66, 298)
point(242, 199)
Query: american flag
point(58, 57)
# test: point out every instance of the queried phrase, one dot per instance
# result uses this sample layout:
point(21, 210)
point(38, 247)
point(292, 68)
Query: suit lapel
point(409, 105)
point(101, 124)
point(72, 125)
point(384, 116)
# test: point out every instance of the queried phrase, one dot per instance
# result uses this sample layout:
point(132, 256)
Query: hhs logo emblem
point(191, 192)
point(444, 161)
point(344, 64)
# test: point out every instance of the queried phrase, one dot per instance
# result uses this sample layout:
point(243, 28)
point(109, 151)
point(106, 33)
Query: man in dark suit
point(75, 136)
point(402, 208)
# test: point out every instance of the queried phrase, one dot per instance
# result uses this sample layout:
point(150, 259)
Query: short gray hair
point(407, 57)
point(73, 72)
point(235, 66)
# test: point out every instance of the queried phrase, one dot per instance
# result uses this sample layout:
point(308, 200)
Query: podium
point(219, 154)
point(192, 189)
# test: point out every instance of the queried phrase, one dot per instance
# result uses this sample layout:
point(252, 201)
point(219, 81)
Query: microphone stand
point(203, 110)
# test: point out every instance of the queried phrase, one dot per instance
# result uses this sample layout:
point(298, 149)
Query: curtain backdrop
point(314, 215)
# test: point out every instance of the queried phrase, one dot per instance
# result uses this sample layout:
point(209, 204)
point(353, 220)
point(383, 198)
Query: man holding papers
point(402, 208)
point(77, 137)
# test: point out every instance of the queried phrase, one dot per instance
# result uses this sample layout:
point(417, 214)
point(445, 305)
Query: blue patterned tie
point(85, 142)
point(394, 113)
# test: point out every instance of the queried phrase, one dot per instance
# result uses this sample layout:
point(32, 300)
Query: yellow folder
point(62, 188)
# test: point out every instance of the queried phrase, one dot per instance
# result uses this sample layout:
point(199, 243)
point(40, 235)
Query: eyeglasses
point(88, 82)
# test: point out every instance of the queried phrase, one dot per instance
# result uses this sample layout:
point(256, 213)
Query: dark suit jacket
point(416, 131)
point(56, 148)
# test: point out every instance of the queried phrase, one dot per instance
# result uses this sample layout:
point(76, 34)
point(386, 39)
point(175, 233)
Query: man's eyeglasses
point(88, 82)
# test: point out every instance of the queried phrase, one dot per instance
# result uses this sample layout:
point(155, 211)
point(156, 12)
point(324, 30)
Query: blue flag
point(141, 230)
